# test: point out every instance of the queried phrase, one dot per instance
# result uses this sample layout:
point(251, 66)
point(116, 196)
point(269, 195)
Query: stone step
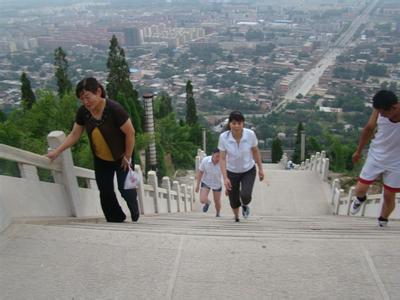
point(197, 224)
point(196, 256)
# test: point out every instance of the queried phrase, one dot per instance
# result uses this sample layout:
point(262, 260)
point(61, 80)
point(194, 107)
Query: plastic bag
point(132, 179)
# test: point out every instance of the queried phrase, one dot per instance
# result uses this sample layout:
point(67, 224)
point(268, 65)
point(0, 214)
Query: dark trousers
point(242, 187)
point(104, 171)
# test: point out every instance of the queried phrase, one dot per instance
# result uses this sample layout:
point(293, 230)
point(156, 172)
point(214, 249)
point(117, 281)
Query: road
point(308, 79)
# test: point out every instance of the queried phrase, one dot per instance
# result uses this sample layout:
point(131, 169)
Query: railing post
point(54, 139)
point(335, 184)
point(349, 199)
point(176, 188)
point(193, 192)
point(190, 196)
point(317, 161)
point(140, 190)
point(338, 197)
point(199, 157)
point(312, 162)
point(28, 172)
point(284, 160)
point(326, 170)
point(166, 184)
point(307, 163)
point(152, 180)
point(185, 196)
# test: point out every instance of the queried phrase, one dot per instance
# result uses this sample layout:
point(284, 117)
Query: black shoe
point(135, 218)
point(382, 222)
point(206, 206)
point(237, 220)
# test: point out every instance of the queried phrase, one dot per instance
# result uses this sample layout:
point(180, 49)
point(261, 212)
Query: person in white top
point(208, 178)
point(239, 154)
point(383, 154)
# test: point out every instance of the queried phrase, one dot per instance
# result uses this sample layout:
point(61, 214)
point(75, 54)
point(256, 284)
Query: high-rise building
point(133, 36)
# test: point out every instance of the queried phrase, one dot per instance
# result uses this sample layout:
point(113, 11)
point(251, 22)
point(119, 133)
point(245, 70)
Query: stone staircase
point(198, 256)
point(291, 247)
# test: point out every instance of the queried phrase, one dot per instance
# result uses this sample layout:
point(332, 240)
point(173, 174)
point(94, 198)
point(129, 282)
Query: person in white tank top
point(383, 154)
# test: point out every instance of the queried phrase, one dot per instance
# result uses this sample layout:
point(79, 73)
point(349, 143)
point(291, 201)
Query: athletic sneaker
point(206, 206)
point(382, 222)
point(356, 206)
point(245, 211)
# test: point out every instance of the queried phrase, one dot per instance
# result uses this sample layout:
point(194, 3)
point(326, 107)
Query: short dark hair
point(89, 84)
point(216, 150)
point(384, 100)
point(236, 116)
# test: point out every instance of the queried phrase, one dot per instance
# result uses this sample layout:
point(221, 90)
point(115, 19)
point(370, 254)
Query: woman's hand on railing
point(53, 154)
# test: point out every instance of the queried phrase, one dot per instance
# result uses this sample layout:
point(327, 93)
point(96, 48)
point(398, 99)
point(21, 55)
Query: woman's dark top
point(114, 116)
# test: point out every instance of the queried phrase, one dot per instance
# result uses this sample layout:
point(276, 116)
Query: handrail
point(29, 158)
point(65, 197)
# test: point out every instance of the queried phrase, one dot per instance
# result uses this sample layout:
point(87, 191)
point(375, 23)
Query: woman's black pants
point(242, 187)
point(104, 171)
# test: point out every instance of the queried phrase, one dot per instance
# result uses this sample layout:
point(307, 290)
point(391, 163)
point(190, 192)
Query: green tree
point(3, 116)
point(191, 114)
point(28, 130)
point(313, 146)
point(175, 137)
point(162, 105)
point(61, 66)
point(161, 165)
point(28, 98)
point(119, 86)
point(276, 151)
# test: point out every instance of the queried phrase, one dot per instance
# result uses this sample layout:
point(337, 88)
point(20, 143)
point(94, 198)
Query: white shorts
point(371, 170)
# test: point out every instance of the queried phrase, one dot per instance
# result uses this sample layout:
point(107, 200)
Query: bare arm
point(129, 131)
point(199, 175)
point(257, 158)
point(366, 135)
point(70, 140)
point(222, 164)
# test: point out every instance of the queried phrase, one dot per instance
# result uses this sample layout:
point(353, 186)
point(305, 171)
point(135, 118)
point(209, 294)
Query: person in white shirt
point(239, 154)
point(383, 154)
point(208, 178)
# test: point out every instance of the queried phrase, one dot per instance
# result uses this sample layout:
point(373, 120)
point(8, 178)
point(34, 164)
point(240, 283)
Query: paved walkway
point(290, 248)
point(197, 256)
point(286, 193)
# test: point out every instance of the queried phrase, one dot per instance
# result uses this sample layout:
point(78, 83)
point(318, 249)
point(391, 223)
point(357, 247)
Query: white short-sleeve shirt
point(211, 173)
point(239, 157)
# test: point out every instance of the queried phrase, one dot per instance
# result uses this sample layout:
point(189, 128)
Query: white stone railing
point(28, 196)
point(341, 202)
point(318, 163)
point(199, 157)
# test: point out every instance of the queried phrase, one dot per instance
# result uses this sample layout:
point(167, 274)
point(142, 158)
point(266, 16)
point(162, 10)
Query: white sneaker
point(245, 211)
point(356, 206)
